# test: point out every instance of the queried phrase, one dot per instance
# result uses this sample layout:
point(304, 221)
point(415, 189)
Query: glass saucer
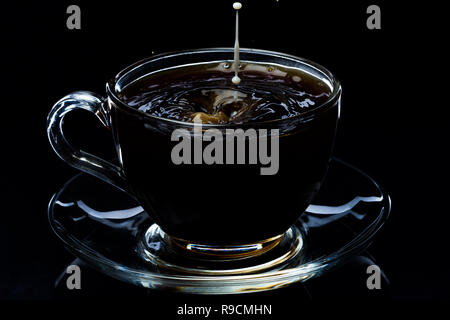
point(106, 228)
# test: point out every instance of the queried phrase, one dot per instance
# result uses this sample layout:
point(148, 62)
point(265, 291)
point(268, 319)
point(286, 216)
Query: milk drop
point(237, 5)
point(236, 79)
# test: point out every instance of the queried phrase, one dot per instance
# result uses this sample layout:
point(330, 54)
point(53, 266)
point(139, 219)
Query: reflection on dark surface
point(348, 281)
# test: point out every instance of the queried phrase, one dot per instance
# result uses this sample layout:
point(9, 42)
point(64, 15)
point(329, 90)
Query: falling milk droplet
point(236, 79)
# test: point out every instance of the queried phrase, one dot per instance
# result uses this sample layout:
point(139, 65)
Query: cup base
point(178, 255)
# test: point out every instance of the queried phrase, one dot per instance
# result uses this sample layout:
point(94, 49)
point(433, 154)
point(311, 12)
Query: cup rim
point(335, 94)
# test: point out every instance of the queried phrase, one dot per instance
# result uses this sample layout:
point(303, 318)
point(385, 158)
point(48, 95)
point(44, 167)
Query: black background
point(393, 126)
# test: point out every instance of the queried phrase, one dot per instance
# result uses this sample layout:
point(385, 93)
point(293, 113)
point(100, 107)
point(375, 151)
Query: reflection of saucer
point(104, 226)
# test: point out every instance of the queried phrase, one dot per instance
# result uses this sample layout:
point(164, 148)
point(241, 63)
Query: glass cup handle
point(79, 159)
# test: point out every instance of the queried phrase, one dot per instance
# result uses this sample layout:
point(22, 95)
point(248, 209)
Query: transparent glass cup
point(211, 211)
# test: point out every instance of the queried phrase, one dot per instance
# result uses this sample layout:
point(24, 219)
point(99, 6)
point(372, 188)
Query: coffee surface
point(205, 93)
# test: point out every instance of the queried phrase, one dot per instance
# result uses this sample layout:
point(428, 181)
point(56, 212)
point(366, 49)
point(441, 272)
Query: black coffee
point(207, 92)
point(225, 203)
